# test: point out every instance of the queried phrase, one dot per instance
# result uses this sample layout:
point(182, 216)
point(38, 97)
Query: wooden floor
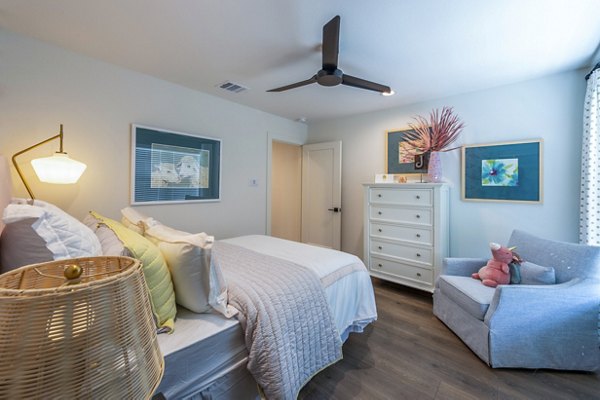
point(409, 354)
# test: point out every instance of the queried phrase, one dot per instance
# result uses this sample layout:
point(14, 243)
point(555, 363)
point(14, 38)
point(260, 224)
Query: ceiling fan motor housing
point(330, 77)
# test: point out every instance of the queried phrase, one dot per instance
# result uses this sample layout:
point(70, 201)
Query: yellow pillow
point(155, 269)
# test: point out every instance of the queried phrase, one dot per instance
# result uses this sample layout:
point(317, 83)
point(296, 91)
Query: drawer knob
point(379, 195)
point(380, 230)
point(418, 274)
point(379, 212)
point(418, 254)
point(418, 197)
point(418, 235)
point(380, 265)
point(380, 248)
point(418, 216)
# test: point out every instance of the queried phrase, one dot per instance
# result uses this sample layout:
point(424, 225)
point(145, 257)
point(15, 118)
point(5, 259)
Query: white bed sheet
point(208, 348)
point(351, 298)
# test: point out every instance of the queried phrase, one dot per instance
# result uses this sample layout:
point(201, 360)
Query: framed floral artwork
point(507, 171)
point(173, 167)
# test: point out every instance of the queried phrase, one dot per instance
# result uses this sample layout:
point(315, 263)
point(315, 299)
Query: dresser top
point(412, 185)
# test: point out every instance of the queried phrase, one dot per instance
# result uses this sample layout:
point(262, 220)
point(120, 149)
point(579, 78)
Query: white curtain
point(589, 219)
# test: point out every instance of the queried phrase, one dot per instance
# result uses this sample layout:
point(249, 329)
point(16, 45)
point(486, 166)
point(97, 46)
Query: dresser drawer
point(401, 270)
point(417, 197)
point(418, 235)
point(402, 214)
point(412, 253)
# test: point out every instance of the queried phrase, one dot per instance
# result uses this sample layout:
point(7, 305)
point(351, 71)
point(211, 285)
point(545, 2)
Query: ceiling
point(423, 49)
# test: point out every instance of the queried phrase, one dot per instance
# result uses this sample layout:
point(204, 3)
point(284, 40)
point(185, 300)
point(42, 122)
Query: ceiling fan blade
point(295, 85)
point(331, 43)
point(353, 81)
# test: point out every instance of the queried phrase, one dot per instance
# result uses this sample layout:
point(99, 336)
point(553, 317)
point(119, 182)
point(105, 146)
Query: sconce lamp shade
point(78, 329)
point(58, 168)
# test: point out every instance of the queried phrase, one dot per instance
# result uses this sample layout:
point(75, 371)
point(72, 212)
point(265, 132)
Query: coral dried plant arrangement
point(436, 133)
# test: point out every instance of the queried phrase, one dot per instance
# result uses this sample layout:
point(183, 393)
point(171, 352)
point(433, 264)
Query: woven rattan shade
point(93, 339)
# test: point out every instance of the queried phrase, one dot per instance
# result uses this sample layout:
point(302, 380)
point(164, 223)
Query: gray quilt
point(289, 330)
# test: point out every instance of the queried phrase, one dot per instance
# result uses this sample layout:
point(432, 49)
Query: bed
point(195, 370)
point(210, 355)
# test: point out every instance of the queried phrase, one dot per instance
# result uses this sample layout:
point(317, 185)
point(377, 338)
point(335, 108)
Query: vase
point(434, 169)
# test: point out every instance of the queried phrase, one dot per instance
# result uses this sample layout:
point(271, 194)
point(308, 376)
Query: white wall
point(550, 108)
point(42, 86)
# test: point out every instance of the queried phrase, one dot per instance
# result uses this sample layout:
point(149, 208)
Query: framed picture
point(509, 171)
point(399, 157)
point(173, 167)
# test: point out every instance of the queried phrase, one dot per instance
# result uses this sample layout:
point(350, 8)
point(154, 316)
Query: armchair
point(527, 326)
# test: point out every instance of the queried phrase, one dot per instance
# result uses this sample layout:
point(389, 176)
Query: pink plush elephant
point(496, 272)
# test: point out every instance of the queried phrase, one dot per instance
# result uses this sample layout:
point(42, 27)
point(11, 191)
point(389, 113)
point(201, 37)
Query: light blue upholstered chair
point(527, 326)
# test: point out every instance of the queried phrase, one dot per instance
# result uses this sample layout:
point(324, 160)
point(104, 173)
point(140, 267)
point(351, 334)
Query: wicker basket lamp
point(79, 328)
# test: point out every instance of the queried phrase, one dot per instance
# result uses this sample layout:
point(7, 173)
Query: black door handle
point(335, 209)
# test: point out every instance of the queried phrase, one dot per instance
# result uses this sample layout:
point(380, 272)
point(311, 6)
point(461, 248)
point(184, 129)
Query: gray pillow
point(111, 245)
point(533, 274)
point(20, 245)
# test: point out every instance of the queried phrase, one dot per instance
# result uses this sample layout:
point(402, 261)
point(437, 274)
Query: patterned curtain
point(589, 219)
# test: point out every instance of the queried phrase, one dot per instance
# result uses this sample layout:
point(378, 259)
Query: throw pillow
point(533, 274)
point(198, 282)
point(43, 232)
point(155, 269)
point(111, 245)
point(135, 220)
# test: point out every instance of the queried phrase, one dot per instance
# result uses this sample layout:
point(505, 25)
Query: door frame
point(271, 137)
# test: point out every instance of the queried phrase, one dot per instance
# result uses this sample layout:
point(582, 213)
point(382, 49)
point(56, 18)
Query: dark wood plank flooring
point(409, 354)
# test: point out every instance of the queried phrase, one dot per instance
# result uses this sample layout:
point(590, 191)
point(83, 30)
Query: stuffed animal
point(496, 271)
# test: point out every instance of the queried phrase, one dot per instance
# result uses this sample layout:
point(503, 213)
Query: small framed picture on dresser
point(506, 171)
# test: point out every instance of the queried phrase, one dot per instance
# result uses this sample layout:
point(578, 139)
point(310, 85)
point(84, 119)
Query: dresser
point(406, 232)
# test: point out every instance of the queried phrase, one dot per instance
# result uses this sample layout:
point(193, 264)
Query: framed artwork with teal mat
point(507, 171)
point(174, 167)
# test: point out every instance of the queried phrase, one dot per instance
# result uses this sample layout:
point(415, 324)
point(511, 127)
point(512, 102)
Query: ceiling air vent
point(232, 87)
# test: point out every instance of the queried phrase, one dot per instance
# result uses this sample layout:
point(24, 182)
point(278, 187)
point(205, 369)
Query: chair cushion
point(468, 293)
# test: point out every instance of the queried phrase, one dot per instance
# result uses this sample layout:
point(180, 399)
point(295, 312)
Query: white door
point(322, 194)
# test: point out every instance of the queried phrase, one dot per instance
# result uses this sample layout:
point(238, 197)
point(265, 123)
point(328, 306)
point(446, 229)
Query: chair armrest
point(462, 266)
point(552, 326)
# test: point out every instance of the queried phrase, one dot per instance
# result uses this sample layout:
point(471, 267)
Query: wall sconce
point(58, 168)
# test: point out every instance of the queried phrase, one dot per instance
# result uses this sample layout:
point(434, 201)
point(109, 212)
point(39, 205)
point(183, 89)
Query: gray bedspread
point(289, 331)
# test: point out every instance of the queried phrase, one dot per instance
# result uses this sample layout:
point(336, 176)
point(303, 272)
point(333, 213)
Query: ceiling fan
point(330, 74)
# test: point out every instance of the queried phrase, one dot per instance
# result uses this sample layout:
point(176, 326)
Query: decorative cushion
point(134, 220)
point(468, 293)
point(155, 270)
point(111, 245)
point(533, 274)
point(199, 283)
point(188, 258)
point(43, 233)
point(17, 237)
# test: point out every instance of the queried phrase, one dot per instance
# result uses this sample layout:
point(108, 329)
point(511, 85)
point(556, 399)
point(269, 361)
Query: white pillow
point(199, 283)
point(136, 221)
point(62, 234)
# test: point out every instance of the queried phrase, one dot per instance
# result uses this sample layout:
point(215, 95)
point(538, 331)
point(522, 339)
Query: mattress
point(206, 356)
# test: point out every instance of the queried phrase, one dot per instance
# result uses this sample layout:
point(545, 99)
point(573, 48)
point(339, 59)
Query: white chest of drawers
point(406, 232)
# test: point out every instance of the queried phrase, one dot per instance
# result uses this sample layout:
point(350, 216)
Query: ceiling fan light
point(58, 168)
point(390, 93)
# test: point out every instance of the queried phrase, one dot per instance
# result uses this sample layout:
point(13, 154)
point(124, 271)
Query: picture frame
point(173, 167)
point(503, 171)
point(396, 161)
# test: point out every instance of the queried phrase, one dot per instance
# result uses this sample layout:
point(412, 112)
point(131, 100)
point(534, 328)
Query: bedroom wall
point(550, 108)
point(42, 86)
